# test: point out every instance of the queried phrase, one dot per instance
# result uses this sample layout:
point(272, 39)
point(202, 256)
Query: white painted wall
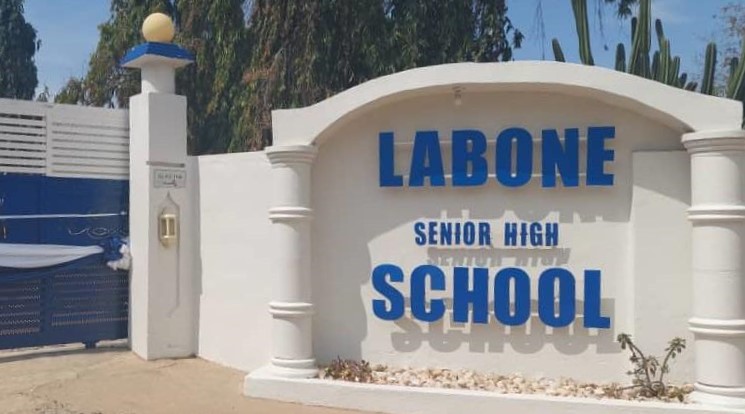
point(636, 232)
point(359, 225)
point(60, 140)
point(661, 282)
point(162, 294)
point(237, 270)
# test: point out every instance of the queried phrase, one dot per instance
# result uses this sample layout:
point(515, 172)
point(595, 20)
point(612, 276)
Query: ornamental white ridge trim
point(291, 154)
point(685, 110)
point(717, 327)
point(716, 213)
point(291, 309)
point(290, 213)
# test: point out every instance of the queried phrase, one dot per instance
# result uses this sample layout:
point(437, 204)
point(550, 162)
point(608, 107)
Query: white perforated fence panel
point(23, 137)
point(63, 140)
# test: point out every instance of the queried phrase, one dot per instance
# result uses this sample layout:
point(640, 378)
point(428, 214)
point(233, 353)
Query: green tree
point(287, 53)
point(307, 51)
point(44, 95)
point(106, 83)
point(18, 44)
point(304, 51)
point(432, 32)
point(213, 30)
point(732, 31)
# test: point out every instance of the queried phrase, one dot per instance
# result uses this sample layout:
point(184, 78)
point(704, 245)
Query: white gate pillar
point(291, 307)
point(718, 216)
point(162, 292)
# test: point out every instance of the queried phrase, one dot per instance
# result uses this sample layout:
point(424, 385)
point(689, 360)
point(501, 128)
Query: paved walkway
point(111, 380)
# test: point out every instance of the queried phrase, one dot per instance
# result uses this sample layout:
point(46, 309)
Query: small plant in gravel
point(648, 373)
point(349, 370)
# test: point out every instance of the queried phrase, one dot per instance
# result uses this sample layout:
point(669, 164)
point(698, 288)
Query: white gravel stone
point(513, 383)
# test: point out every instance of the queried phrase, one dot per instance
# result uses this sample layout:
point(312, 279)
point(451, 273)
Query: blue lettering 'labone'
point(513, 158)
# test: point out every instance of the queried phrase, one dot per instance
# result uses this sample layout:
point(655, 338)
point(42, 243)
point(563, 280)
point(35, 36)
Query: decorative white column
point(162, 223)
point(291, 308)
point(718, 216)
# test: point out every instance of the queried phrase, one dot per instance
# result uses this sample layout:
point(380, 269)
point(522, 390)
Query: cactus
point(666, 63)
point(621, 58)
point(656, 66)
point(558, 53)
point(736, 84)
point(641, 43)
point(682, 80)
point(674, 71)
point(707, 81)
point(583, 31)
point(733, 67)
point(660, 32)
point(662, 66)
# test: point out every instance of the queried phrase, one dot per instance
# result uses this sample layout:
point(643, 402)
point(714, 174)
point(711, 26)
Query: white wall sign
point(522, 230)
point(169, 178)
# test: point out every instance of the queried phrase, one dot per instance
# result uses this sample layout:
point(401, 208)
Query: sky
point(689, 24)
point(68, 30)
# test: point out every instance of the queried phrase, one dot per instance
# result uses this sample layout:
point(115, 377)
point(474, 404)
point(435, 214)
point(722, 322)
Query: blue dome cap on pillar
point(158, 58)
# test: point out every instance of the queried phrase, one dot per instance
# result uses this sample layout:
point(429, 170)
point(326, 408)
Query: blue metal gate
point(78, 301)
point(64, 196)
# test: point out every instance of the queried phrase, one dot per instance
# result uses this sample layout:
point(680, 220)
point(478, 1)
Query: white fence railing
point(63, 140)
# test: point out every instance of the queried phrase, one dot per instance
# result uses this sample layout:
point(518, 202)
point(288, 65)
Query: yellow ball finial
point(158, 27)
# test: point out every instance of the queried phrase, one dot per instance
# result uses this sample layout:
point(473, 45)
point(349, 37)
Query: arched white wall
point(324, 161)
point(359, 225)
point(676, 107)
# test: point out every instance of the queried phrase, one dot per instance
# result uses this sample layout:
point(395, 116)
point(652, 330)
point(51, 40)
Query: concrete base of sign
point(394, 399)
point(706, 398)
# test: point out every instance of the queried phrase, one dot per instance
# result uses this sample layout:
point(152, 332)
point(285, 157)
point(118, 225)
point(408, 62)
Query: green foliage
point(731, 31)
point(286, 54)
point(44, 95)
point(307, 51)
point(423, 33)
point(18, 44)
point(735, 87)
point(213, 30)
point(349, 370)
point(647, 372)
point(106, 83)
point(72, 93)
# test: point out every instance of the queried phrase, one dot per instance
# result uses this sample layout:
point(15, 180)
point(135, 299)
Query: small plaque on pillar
point(169, 178)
